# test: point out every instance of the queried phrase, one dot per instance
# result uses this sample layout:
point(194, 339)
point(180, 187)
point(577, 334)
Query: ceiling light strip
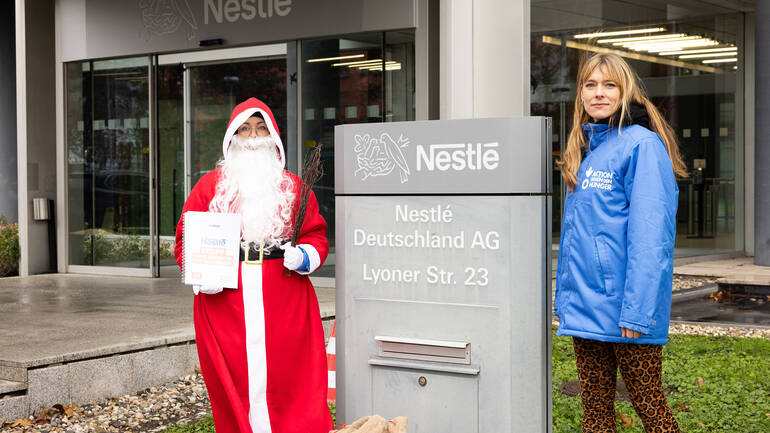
point(329, 59)
point(620, 32)
point(632, 55)
point(656, 48)
point(660, 41)
point(734, 59)
point(706, 50)
point(706, 55)
point(642, 38)
point(360, 62)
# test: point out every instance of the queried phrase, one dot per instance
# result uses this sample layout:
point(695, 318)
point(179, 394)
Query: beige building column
point(484, 58)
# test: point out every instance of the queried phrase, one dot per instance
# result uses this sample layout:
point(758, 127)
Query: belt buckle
point(247, 250)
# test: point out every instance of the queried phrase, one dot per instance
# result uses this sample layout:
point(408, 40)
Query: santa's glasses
point(246, 130)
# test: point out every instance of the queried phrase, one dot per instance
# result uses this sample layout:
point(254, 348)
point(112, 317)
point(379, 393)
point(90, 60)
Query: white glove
point(292, 256)
point(208, 290)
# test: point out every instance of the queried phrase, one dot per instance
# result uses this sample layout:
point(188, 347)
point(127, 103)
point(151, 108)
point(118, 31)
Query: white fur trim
point(312, 254)
point(256, 355)
point(240, 119)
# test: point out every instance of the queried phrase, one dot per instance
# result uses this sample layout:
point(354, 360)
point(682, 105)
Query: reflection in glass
point(171, 194)
point(78, 130)
point(216, 90)
point(343, 82)
point(108, 147)
point(689, 60)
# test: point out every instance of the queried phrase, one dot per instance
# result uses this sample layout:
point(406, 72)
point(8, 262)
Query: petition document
point(211, 248)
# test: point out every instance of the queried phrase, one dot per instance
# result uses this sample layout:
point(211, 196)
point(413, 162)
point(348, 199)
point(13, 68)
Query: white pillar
point(35, 126)
point(484, 58)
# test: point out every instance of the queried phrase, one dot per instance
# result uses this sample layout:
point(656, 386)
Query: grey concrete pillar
point(762, 137)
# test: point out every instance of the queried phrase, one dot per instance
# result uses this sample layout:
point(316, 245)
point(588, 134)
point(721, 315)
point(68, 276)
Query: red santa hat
point(243, 111)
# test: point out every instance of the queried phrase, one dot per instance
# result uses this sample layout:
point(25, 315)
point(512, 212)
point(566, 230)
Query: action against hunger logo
point(379, 157)
point(598, 179)
point(161, 17)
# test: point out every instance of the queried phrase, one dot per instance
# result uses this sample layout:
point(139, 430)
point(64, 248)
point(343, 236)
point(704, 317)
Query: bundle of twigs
point(311, 172)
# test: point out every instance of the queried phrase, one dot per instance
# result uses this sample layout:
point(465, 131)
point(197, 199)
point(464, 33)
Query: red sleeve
point(199, 200)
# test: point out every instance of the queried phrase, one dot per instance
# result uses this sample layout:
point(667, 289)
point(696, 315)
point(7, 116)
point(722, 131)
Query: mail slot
point(426, 350)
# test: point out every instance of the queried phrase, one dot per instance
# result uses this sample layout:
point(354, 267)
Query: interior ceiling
point(550, 15)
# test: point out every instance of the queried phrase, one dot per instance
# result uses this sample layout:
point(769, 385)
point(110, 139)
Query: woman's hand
point(630, 333)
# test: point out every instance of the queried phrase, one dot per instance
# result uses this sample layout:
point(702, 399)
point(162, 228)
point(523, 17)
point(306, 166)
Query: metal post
point(762, 137)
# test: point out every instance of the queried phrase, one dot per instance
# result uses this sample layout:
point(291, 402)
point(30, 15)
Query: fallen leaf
point(21, 422)
point(699, 382)
point(625, 420)
point(701, 425)
point(66, 410)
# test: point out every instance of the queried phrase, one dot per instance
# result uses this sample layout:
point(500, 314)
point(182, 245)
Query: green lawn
point(733, 396)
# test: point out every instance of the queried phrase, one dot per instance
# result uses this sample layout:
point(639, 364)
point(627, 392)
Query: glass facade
point(689, 56)
point(360, 78)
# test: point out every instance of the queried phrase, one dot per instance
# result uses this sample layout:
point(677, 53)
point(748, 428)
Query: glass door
point(196, 95)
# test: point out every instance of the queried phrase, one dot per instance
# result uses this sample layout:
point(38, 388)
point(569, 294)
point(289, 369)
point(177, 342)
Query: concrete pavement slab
point(47, 319)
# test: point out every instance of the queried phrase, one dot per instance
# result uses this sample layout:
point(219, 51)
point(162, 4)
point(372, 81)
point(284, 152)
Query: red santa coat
point(261, 347)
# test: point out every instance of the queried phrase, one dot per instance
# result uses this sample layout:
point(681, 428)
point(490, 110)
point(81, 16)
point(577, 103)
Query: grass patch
point(723, 385)
point(204, 425)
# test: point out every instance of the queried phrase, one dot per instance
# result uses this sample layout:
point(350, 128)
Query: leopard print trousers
point(641, 368)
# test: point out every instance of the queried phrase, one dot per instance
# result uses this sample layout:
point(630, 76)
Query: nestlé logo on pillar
point(381, 156)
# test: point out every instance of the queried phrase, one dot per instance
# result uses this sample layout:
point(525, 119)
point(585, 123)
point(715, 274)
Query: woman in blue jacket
point(613, 283)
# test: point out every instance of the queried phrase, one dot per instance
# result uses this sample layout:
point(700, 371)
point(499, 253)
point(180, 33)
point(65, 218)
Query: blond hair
point(630, 93)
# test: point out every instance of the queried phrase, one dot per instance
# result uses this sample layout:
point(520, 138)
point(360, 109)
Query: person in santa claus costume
point(261, 345)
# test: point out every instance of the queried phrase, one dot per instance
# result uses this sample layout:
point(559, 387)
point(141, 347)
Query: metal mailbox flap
point(454, 352)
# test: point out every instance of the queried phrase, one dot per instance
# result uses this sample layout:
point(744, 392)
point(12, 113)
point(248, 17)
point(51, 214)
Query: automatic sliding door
point(211, 92)
point(214, 92)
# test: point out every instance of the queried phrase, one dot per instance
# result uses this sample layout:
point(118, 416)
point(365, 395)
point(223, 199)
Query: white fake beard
point(254, 184)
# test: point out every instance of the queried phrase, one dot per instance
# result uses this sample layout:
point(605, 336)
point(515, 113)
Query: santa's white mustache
point(251, 143)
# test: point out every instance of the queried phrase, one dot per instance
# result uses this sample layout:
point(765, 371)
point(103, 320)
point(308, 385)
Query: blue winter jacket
point(617, 239)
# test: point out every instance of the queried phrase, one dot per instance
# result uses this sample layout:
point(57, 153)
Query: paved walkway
point(741, 270)
point(46, 319)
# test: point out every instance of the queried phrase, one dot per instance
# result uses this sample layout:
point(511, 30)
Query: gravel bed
point(721, 331)
point(152, 410)
point(689, 282)
point(713, 330)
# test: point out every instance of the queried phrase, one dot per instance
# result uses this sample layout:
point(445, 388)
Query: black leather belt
point(269, 254)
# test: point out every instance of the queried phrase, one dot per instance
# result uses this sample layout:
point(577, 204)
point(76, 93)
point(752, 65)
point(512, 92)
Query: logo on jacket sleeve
point(597, 179)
